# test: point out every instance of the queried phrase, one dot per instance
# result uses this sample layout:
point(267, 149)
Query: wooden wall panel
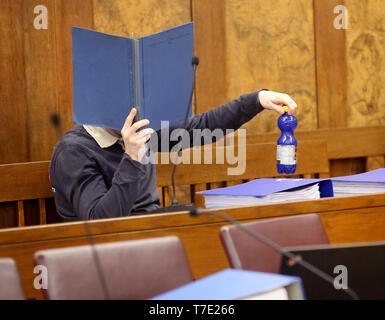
point(331, 66)
point(68, 13)
point(243, 45)
point(41, 80)
point(13, 119)
point(366, 62)
point(124, 17)
point(210, 47)
point(36, 78)
point(270, 44)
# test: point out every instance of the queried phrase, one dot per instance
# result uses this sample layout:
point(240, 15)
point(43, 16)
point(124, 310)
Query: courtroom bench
point(26, 194)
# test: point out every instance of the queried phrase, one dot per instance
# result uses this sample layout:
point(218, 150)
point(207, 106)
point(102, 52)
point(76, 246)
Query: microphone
point(195, 63)
point(293, 259)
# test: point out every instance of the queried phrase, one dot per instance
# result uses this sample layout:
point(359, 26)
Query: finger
point(292, 106)
point(129, 119)
point(142, 141)
point(286, 100)
point(146, 132)
point(276, 107)
point(139, 124)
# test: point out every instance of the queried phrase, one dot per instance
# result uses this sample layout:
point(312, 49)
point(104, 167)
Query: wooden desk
point(350, 219)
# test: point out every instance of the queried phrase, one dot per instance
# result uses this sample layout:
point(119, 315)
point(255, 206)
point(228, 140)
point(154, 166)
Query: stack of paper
point(364, 183)
point(263, 191)
point(304, 193)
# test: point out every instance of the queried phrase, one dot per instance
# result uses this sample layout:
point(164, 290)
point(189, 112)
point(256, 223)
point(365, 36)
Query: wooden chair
point(10, 283)
point(245, 252)
point(136, 269)
point(26, 181)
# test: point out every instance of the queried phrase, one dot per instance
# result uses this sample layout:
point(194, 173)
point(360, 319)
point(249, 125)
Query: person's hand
point(275, 101)
point(134, 142)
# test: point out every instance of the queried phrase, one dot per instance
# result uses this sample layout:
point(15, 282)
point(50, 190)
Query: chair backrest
point(10, 283)
point(23, 182)
point(245, 252)
point(136, 269)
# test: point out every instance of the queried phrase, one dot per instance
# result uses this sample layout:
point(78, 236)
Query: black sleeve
point(231, 115)
point(82, 184)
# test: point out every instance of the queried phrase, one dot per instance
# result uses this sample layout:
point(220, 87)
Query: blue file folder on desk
point(263, 187)
point(363, 183)
point(112, 74)
point(232, 284)
point(261, 191)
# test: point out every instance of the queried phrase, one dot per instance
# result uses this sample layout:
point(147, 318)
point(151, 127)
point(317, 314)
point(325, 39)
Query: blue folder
point(112, 74)
point(263, 187)
point(233, 284)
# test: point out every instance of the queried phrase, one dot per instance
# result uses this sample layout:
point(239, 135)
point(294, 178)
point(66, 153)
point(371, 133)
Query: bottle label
point(287, 155)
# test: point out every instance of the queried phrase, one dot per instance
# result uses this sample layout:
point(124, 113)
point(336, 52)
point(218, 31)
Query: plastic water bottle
point(287, 144)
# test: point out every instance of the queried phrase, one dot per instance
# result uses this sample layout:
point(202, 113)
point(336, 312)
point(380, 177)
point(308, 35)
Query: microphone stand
point(175, 206)
point(194, 62)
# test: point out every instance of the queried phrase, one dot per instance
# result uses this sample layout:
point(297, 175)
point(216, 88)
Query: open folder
point(112, 74)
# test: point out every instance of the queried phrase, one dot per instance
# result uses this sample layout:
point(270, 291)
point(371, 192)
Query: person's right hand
point(275, 100)
point(134, 142)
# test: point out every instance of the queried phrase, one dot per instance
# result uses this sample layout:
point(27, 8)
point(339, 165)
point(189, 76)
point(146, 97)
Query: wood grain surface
point(331, 66)
point(68, 13)
point(365, 43)
point(346, 220)
point(13, 117)
point(139, 18)
point(270, 44)
point(291, 46)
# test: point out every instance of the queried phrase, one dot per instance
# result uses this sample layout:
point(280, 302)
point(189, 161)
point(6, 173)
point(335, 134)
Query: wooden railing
point(24, 182)
point(349, 150)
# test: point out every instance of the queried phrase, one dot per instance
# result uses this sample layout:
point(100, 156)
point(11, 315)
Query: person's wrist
point(133, 155)
point(259, 104)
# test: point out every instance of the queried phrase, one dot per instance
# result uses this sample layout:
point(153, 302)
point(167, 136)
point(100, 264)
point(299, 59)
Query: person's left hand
point(274, 101)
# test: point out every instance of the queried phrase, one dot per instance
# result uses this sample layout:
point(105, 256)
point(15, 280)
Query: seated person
point(96, 172)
